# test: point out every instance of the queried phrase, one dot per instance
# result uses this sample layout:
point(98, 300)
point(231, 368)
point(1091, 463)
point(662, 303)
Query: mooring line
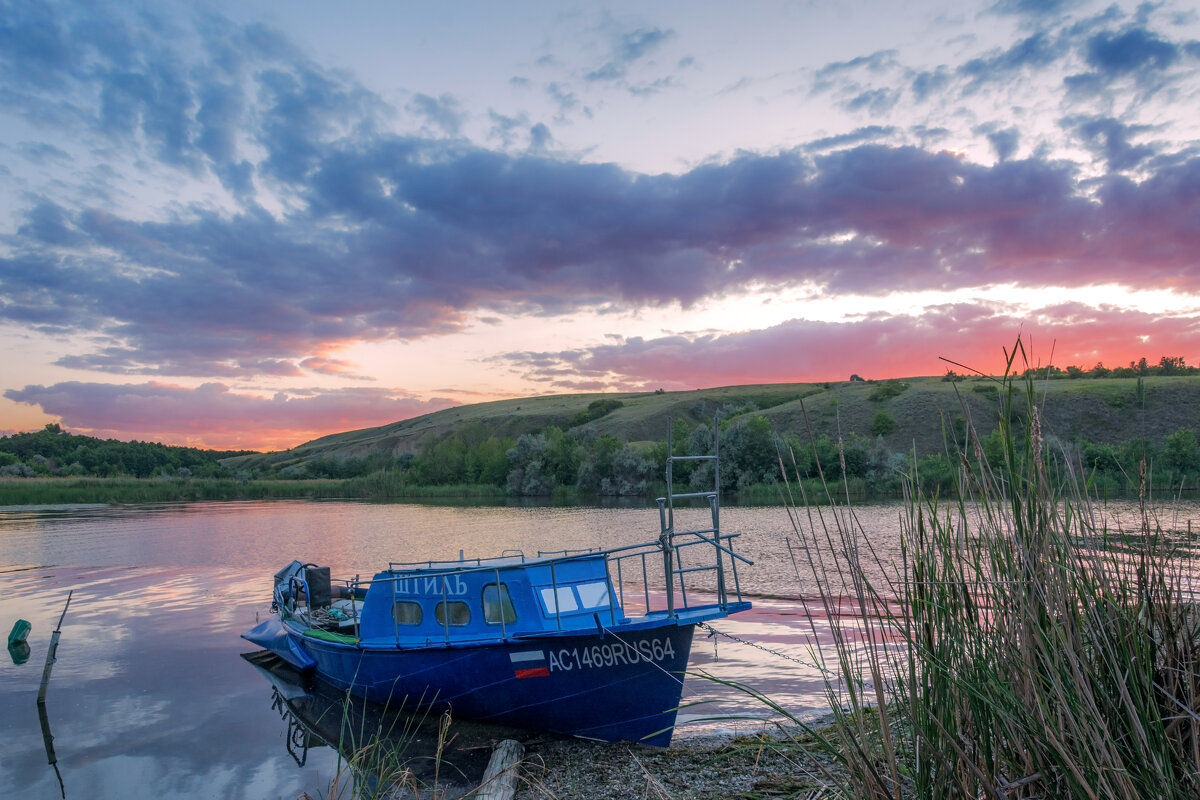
point(713, 631)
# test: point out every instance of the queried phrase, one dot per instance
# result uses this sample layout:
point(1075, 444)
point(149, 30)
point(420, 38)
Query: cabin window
point(452, 612)
point(406, 612)
point(559, 601)
point(593, 595)
point(497, 605)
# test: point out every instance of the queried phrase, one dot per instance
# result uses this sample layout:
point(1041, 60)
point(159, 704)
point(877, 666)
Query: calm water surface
point(151, 698)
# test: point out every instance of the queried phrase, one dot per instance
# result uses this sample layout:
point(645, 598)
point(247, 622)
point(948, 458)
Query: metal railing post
point(714, 507)
point(664, 541)
point(554, 587)
point(445, 611)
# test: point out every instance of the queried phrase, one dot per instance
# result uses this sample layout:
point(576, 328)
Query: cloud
point(1109, 138)
point(540, 138)
point(1036, 9)
point(1003, 140)
point(628, 48)
point(443, 112)
point(1032, 53)
point(404, 238)
point(564, 99)
point(1136, 53)
point(339, 229)
point(1133, 50)
point(875, 101)
point(926, 84)
point(882, 345)
point(869, 133)
point(213, 415)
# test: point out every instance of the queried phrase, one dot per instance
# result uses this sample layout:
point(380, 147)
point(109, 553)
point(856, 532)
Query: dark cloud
point(540, 138)
point(404, 238)
point(1110, 139)
point(1135, 52)
point(1130, 51)
point(214, 415)
point(1032, 53)
point(1003, 140)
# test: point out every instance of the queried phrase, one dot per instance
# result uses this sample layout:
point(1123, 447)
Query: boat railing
point(724, 561)
point(692, 561)
point(630, 563)
point(584, 551)
point(704, 556)
point(507, 557)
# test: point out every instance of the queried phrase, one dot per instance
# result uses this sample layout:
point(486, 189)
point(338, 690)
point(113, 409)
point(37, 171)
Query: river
point(150, 698)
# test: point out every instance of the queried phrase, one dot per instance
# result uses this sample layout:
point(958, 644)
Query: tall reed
point(1021, 647)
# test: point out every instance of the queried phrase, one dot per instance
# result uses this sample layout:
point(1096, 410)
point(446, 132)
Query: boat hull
point(615, 687)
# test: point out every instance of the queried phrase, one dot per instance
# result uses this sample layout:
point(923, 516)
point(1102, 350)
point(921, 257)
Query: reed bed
point(120, 491)
point(129, 491)
point(1021, 649)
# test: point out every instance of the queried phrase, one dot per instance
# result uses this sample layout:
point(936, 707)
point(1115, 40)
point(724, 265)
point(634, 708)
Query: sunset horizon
point(247, 227)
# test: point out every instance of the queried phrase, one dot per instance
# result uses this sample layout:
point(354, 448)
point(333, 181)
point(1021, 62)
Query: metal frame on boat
point(552, 642)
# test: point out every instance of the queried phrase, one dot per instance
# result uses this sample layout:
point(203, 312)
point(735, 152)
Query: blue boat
point(560, 641)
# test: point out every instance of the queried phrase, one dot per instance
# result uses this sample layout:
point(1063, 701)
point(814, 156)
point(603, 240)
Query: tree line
point(55, 452)
point(578, 459)
point(752, 455)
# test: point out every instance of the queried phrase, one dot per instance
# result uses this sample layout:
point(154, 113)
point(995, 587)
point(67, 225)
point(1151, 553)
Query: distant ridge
point(1100, 410)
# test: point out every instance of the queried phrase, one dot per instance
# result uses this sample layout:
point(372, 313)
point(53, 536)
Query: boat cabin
point(455, 602)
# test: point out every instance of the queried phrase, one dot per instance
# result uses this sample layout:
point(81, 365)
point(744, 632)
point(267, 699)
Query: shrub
point(886, 391)
point(882, 424)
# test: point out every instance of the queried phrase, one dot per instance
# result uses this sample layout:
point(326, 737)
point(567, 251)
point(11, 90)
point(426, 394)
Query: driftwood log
point(500, 777)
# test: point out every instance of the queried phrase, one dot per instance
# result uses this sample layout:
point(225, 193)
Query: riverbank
point(132, 491)
point(748, 765)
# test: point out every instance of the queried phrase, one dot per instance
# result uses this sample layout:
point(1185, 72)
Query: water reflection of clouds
point(149, 696)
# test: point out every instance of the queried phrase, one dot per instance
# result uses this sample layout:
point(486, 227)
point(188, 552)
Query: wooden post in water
point(52, 653)
point(500, 777)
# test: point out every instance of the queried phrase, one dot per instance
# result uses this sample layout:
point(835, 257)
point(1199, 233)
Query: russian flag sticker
point(529, 664)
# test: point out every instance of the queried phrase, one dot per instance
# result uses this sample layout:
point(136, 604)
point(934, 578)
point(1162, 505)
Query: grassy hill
point(1100, 410)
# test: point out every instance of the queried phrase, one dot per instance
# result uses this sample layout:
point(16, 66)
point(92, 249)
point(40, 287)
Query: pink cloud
point(214, 416)
point(881, 346)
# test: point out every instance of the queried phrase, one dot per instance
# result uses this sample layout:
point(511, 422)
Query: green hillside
point(863, 434)
point(1099, 410)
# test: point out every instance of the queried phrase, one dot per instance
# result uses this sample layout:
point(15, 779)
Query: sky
point(246, 225)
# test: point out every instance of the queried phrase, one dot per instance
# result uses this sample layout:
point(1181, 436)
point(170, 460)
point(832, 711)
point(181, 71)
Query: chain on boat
point(714, 632)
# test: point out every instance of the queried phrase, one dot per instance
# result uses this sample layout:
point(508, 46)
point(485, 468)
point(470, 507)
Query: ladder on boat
point(673, 568)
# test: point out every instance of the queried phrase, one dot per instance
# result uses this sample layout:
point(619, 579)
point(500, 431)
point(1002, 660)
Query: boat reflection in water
point(379, 748)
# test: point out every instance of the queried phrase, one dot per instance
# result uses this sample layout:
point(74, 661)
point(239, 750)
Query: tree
point(882, 424)
point(1179, 451)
